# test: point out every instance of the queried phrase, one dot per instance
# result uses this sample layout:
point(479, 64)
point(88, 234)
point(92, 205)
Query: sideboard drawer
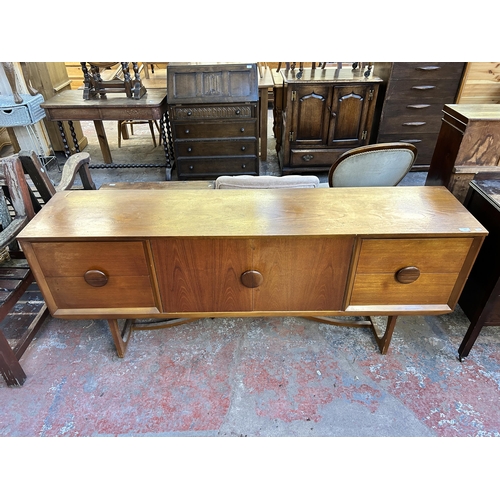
point(96, 274)
point(408, 271)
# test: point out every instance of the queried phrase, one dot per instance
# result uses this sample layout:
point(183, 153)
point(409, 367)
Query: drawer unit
point(400, 272)
point(96, 275)
point(214, 114)
point(411, 102)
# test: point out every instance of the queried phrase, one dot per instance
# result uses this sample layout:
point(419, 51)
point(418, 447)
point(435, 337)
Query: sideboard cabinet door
point(286, 273)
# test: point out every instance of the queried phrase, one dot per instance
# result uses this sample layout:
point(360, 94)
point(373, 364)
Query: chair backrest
point(266, 182)
point(33, 168)
point(373, 165)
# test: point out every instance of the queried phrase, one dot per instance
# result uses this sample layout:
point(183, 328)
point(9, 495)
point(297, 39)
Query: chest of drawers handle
point(418, 106)
point(407, 275)
point(423, 87)
point(428, 68)
point(414, 124)
point(96, 278)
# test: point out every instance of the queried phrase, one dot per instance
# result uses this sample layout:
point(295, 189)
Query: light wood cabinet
point(204, 253)
point(480, 84)
point(321, 115)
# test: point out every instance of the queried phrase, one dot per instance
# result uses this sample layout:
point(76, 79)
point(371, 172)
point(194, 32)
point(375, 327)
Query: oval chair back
point(373, 165)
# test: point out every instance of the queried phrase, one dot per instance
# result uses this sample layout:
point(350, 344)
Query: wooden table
point(119, 253)
point(70, 106)
point(480, 299)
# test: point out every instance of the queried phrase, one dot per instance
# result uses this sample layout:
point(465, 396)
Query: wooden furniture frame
point(69, 106)
point(467, 145)
point(15, 274)
point(95, 86)
point(480, 299)
point(185, 254)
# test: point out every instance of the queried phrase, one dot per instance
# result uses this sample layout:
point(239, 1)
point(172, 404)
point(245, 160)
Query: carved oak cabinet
point(213, 110)
point(322, 114)
point(205, 253)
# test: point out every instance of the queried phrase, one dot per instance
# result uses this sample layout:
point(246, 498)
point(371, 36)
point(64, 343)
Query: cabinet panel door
point(349, 115)
point(203, 274)
point(310, 115)
point(301, 274)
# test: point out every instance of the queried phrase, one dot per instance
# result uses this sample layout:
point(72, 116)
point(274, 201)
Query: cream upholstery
point(266, 182)
point(374, 165)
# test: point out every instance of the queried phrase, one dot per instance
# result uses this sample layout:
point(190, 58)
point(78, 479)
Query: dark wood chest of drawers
point(412, 101)
point(213, 111)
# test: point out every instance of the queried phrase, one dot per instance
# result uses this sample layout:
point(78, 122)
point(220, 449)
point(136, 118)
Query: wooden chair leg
point(10, 368)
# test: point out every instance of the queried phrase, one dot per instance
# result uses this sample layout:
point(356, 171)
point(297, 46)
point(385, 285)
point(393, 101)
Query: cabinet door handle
point(242, 129)
point(307, 157)
point(243, 148)
point(251, 279)
point(424, 87)
point(428, 68)
point(237, 112)
point(189, 150)
point(418, 106)
point(243, 166)
point(413, 124)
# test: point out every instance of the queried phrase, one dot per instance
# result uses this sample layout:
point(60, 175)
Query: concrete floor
point(271, 377)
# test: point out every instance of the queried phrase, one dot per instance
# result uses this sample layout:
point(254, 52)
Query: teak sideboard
point(114, 254)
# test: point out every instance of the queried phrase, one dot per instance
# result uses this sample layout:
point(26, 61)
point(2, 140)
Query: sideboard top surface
point(429, 210)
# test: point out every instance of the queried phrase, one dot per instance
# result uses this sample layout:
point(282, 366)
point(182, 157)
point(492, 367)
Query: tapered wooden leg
point(10, 368)
point(121, 336)
point(383, 340)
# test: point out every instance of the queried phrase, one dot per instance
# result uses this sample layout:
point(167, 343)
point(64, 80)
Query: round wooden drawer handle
point(95, 278)
point(408, 274)
point(252, 279)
